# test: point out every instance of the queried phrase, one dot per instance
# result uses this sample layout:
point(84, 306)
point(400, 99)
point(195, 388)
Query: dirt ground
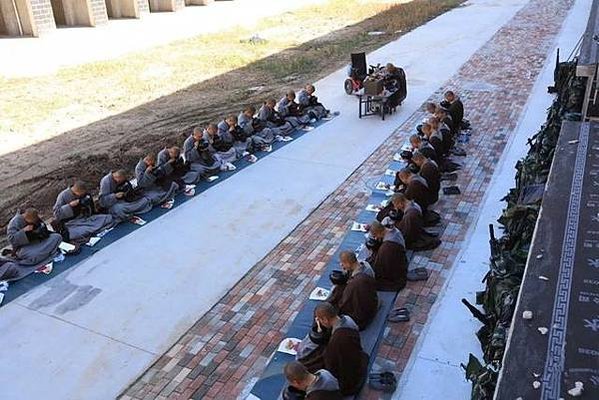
point(34, 175)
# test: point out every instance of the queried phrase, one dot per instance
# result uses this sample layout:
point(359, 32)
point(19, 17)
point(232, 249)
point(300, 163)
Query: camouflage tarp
point(518, 220)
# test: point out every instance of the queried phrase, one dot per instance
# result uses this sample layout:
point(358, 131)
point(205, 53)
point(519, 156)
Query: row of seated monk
point(331, 363)
point(206, 152)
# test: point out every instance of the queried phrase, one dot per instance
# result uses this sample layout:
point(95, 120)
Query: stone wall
point(43, 19)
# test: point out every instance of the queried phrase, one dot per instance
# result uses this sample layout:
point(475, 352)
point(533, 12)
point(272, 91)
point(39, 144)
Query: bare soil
point(36, 174)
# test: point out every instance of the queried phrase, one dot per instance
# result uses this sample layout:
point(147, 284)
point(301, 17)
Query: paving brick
point(254, 316)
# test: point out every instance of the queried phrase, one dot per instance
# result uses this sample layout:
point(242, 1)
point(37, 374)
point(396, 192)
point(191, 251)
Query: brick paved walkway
point(222, 355)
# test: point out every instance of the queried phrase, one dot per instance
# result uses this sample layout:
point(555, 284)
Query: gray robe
point(193, 176)
point(283, 110)
point(119, 208)
point(224, 157)
point(267, 115)
point(31, 253)
point(155, 193)
point(303, 99)
point(12, 271)
point(79, 227)
point(192, 156)
point(240, 147)
point(261, 138)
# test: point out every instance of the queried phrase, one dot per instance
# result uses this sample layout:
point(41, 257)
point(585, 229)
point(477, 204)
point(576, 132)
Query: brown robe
point(418, 191)
point(428, 151)
point(456, 110)
point(324, 395)
point(359, 299)
point(411, 227)
point(344, 357)
point(431, 173)
point(390, 263)
point(437, 143)
point(385, 212)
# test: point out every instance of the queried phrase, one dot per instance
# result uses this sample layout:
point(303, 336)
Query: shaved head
point(415, 139)
point(405, 175)
point(419, 158)
point(150, 158)
point(348, 256)
point(325, 311)
point(212, 128)
point(399, 200)
point(120, 173)
point(295, 372)
point(377, 228)
point(79, 188)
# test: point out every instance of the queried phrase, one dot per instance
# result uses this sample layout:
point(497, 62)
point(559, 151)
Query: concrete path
point(90, 332)
point(68, 46)
point(450, 334)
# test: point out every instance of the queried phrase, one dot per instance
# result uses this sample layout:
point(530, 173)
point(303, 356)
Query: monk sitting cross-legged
point(31, 241)
point(357, 298)
point(76, 216)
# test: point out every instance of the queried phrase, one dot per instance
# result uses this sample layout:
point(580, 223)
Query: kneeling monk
point(358, 297)
point(321, 385)
point(343, 355)
point(389, 260)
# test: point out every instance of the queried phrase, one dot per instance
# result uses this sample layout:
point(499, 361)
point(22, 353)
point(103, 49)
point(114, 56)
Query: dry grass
point(86, 120)
point(36, 108)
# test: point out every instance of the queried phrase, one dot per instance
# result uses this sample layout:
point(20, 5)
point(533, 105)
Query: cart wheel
point(348, 85)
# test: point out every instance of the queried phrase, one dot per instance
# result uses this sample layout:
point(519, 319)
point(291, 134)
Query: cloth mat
point(29, 281)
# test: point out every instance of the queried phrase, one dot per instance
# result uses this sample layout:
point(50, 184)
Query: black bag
point(131, 194)
point(40, 232)
point(158, 172)
point(451, 190)
point(277, 120)
point(291, 393)
point(220, 144)
point(338, 277)
point(61, 228)
point(239, 134)
point(86, 207)
point(294, 110)
point(258, 125)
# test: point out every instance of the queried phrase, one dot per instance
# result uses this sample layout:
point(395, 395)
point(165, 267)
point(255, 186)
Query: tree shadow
point(36, 174)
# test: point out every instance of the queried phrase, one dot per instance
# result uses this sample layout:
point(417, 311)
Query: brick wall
point(43, 19)
point(144, 6)
point(99, 11)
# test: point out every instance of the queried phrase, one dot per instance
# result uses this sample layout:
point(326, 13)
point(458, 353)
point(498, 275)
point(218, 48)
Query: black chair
point(357, 73)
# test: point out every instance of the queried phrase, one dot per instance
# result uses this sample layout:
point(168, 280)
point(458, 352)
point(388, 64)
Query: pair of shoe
point(451, 190)
point(449, 176)
point(228, 167)
point(417, 274)
point(383, 381)
point(399, 315)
